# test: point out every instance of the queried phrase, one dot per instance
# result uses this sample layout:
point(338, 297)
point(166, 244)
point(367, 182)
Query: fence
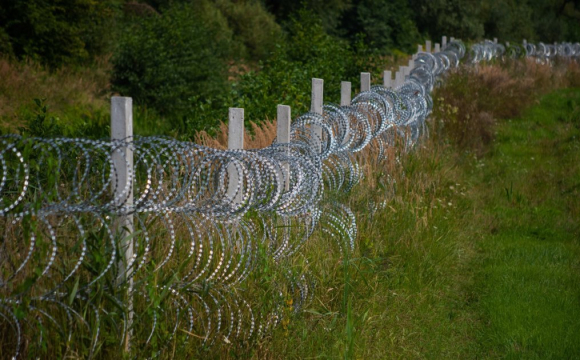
point(138, 234)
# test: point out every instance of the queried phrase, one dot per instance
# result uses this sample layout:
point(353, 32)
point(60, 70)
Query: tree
point(386, 24)
point(329, 12)
point(164, 60)
point(457, 18)
point(55, 32)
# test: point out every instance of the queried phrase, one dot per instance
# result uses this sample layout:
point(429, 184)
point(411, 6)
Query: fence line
point(185, 222)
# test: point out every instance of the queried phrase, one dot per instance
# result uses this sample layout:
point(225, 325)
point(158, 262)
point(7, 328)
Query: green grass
point(471, 257)
point(470, 254)
point(528, 276)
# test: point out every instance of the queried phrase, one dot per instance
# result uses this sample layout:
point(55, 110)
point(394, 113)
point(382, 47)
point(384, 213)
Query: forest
point(185, 62)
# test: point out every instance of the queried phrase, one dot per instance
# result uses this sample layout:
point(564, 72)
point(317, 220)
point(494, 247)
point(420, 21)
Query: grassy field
point(526, 198)
point(474, 253)
point(468, 246)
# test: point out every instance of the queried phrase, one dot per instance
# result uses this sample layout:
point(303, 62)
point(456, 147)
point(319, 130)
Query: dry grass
point(22, 82)
point(497, 91)
point(259, 136)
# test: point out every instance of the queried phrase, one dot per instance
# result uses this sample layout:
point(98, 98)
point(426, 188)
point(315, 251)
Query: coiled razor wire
point(195, 241)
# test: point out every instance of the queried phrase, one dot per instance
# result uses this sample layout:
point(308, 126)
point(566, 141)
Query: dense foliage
point(285, 78)
point(163, 60)
point(55, 32)
point(185, 62)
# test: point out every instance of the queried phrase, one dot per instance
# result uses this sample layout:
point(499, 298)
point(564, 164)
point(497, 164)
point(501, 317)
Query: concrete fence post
point(123, 177)
point(316, 104)
point(387, 79)
point(495, 40)
point(437, 48)
point(283, 122)
point(443, 42)
point(428, 46)
point(399, 78)
point(345, 93)
point(365, 81)
point(235, 142)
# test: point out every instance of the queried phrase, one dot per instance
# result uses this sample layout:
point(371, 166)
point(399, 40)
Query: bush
point(285, 78)
point(54, 32)
point(166, 59)
point(253, 27)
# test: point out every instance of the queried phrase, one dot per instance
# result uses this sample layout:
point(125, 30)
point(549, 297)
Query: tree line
point(187, 60)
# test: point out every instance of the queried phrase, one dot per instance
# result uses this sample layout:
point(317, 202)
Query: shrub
point(164, 60)
point(54, 32)
point(253, 27)
point(285, 78)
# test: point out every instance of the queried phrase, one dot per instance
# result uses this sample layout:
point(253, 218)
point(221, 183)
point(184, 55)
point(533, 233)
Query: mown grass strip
point(527, 192)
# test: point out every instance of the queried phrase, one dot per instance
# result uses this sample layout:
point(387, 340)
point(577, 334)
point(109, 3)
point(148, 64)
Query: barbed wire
point(196, 238)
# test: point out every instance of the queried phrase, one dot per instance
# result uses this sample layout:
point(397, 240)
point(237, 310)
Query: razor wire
point(197, 240)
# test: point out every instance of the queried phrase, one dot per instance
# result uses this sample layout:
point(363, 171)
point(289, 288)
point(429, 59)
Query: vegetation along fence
point(154, 239)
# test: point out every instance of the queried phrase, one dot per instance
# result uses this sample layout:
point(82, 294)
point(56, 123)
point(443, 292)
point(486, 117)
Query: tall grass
point(473, 99)
point(407, 290)
point(72, 94)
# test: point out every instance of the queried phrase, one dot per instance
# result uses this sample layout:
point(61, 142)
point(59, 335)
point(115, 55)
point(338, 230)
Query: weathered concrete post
point(437, 48)
point(345, 93)
point(495, 40)
point(123, 177)
point(443, 42)
point(283, 120)
point(419, 48)
point(365, 81)
point(235, 142)
point(316, 104)
point(428, 46)
point(387, 79)
point(409, 68)
point(399, 78)
point(345, 99)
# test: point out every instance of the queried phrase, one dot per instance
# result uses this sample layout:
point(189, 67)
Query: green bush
point(254, 27)
point(164, 60)
point(75, 122)
point(385, 24)
point(286, 77)
point(54, 32)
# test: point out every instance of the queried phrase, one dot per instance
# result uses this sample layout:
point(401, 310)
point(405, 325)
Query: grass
point(474, 252)
point(528, 276)
point(467, 246)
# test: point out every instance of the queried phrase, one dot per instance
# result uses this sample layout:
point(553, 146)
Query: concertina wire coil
point(57, 205)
